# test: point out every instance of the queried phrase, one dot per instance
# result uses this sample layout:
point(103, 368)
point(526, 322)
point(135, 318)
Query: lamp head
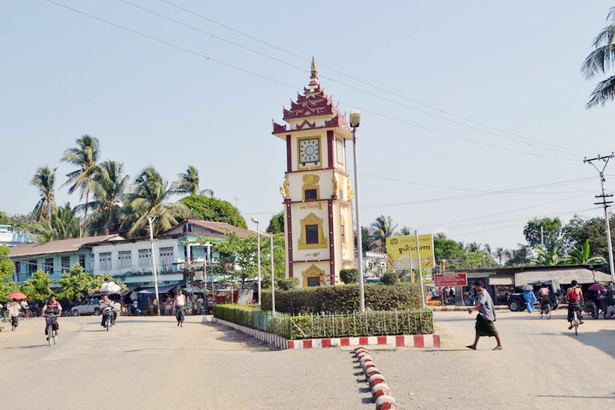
point(254, 220)
point(355, 118)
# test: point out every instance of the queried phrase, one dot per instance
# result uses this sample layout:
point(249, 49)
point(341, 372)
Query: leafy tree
point(366, 239)
point(600, 61)
point(500, 254)
point(188, 183)
point(242, 253)
point(348, 275)
point(276, 224)
point(457, 256)
point(7, 270)
point(405, 231)
point(77, 284)
point(64, 224)
point(213, 209)
point(552, 231)
point(44, 181)
point(521, 256)
point(109, 187)
point(279, 258)
point(37, 287)
point(19, 223)
point(150, 196)
point(85, 158)
point(287, 283)
point(381, 229)
point(579, 230)
point(580, 256)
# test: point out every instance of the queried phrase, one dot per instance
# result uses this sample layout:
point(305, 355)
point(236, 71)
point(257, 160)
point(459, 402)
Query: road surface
point(543, 366)
point(150, 363)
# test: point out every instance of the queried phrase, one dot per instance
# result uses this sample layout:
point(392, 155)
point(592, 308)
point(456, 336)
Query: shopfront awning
point(501, 280)
point(161, 289)
point(563, 276)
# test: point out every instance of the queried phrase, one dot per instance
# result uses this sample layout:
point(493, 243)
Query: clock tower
point(317, 190)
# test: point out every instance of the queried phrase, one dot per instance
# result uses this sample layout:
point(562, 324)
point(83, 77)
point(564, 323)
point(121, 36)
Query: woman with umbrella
point(530, 298)
point(14, 307)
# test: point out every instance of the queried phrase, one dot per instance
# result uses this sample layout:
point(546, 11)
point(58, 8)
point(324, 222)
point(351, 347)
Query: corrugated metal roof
point(63, 245)
point(564, 276)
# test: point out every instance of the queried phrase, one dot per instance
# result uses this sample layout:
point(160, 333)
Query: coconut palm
point(84, 156)
point(500, 254)
point(109, 187)
point(548, 257)
point(188, 183)
point(149, 197)
point(381, 229)
point(600, 60)
point(63, 224)
point(44, 179)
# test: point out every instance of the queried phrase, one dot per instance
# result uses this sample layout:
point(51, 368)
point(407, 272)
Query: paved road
point(149, 363)
point(543, 366)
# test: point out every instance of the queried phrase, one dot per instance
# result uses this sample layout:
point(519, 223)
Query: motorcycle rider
point(53, 307)
point(105, 304)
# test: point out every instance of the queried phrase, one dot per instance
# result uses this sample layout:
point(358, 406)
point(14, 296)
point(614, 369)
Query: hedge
point(372, 323)
point(344, 299)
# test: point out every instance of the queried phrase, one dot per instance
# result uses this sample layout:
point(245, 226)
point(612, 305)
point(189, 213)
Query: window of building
point(104, 260)
point(32, 266)
point(310, 194)
point(49, 266)
point(125, 259)
point(311, 234)
point(313, 282)
point(65, 264)
point(166, 257)
point(82, 261)
point(343, 231)
point(145, 258)
point(18, 269)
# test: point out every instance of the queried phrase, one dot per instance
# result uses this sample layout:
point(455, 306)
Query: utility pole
point(542, 237)
point(150, 220)
point(605, 204)
point(418, 257)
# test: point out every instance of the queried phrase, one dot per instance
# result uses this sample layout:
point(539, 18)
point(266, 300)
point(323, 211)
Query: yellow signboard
point(399, 248)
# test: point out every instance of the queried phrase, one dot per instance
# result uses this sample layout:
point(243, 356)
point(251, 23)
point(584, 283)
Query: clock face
point(309, 152)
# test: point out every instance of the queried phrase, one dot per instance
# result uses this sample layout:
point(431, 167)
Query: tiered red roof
point(313, 102)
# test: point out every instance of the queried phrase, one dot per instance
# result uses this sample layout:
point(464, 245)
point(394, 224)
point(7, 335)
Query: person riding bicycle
point(545, 298)
point(574, 295)
point(52, 309)
point(107, 305)
point(179, 304)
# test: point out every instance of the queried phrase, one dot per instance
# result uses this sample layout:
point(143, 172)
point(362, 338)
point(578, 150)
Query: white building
point(10, 238)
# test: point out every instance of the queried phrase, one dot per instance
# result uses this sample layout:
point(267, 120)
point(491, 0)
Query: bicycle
point(545, 311)
point(52, 337)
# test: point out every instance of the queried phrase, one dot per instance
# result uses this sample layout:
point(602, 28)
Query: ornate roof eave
point(340, 132)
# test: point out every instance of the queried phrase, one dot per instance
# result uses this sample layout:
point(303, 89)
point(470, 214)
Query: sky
point(473, 113)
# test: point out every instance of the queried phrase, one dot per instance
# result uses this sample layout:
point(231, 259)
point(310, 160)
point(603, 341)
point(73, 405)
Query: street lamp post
point(272, 277)
point(150, 220)
point(258, 246)
point(355, 121)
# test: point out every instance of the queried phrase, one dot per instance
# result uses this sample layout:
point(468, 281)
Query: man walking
point(485, 319)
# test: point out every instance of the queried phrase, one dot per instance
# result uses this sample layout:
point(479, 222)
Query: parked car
point(516, 302)
point(89, 307)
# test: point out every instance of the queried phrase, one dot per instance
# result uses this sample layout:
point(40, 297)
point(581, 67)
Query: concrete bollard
point(371, 371)
point(384, 399)
point(375, 379)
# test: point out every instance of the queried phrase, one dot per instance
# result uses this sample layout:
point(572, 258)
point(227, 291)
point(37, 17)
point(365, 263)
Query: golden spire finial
point(314, 69)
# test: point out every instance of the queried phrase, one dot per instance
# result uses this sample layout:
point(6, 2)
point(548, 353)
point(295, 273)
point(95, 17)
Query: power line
point(526, 139)
point(208, 58)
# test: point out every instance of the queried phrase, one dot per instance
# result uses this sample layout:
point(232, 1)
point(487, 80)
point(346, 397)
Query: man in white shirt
point(179, 304)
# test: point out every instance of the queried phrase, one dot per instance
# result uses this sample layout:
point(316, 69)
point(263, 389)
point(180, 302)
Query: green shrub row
point(344, 299)
point(244, 315)
point(371, 323)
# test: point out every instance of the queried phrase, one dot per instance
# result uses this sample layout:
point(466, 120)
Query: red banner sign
point(451, 279)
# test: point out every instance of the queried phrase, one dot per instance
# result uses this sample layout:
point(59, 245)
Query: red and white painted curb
point(419, 341)
point(461, 308)
point(377, 383)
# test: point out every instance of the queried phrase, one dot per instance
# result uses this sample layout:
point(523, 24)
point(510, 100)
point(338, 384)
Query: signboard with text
point(400, 249)
point(451, 279)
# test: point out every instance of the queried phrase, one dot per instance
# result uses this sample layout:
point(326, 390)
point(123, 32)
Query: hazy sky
point(418, 70)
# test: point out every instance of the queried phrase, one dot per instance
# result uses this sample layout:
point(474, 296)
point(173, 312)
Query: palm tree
point(599, 61)
point(63, 224)
point(44, 179)
point(188, 183)
point(381, 229)
point(473, 247)
point(109, 187)
point(500, 254)
point(548, 257)
point(149, 198)
point(84, 156)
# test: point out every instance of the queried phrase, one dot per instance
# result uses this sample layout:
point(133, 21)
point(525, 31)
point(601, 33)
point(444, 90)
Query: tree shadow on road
point(603, 339)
